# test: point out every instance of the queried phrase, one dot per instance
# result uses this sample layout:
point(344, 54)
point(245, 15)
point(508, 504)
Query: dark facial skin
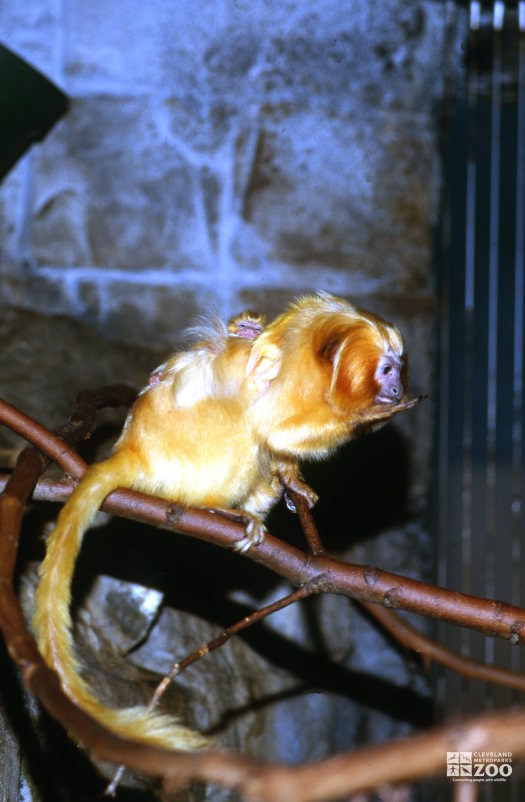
point(389, 381)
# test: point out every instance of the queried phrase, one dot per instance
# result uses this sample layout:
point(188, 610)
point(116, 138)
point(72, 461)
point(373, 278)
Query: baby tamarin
point(223, 424)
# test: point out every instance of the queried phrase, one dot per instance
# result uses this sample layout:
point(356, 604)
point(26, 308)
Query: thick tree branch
point(365, 583)
point(404, 634)
point(364, 769)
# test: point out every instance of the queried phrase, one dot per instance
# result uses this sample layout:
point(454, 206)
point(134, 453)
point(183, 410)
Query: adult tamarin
point(223, 424)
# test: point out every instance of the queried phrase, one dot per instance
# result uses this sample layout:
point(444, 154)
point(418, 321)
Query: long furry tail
point(53, 619)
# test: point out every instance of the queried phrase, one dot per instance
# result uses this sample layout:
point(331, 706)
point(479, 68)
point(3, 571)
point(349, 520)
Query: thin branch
point(45, 441)
point(429, 649)
point(77, 428)
point(248, 621)
point(306, 519)
point(224, 636)
point(404, 634)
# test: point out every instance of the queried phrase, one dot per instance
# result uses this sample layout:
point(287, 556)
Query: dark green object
point(29, 107)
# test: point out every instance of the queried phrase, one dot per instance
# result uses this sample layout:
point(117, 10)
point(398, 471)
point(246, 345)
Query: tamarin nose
point(395, 391)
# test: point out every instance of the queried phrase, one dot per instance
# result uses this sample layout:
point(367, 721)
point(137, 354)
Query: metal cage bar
point(481, 422)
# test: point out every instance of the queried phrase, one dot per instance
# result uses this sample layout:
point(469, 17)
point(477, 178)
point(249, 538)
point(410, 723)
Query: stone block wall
point(220, 154)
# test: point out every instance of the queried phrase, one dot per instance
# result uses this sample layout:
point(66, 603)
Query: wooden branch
point(404, 634)
point(408, 637)
point(362, 582)
point(224, 636)
point(45, 441)
point(398, 761)
point(364, 769)
point(429, 649)
point(365, 583)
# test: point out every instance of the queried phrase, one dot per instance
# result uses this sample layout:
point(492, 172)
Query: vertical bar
point(495, 147)
point(456, 371)
point(479, 359)
point(518, 655)
point(483, 316)
point(474, 518)
point(518, 585)
point(475, 699)
point(504, 395)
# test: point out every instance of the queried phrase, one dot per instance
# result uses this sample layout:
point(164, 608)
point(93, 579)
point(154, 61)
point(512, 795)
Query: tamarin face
point(368, 366)
point(247, 325)
point(389, 378)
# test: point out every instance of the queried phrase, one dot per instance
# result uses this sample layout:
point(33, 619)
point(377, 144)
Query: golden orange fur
point(222, 424)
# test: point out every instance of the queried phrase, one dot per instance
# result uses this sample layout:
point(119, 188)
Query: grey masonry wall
point(224, 153)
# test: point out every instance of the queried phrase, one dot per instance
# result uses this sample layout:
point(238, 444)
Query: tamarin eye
point(386, 369)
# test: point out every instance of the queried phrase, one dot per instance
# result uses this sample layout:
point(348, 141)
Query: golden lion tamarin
point(223, 424)
point(247, 324)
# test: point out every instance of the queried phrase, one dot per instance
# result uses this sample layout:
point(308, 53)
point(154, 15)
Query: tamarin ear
point(329, 347)
point(264, 364)
point(328, 340)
